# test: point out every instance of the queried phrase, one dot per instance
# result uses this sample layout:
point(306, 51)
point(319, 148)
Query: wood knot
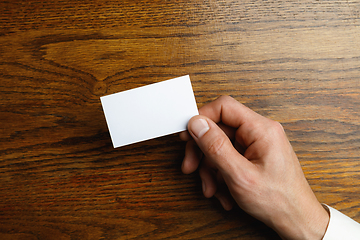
point(100, 88)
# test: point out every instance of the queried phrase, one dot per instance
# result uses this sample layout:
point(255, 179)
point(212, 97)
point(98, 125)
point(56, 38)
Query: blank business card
point(150, 111)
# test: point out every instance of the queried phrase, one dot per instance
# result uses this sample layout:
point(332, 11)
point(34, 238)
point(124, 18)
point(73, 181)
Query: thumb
point(216, 145)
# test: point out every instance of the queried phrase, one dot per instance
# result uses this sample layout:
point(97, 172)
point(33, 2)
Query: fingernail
point(199, 127)
point(223, 201)
point(203, 186)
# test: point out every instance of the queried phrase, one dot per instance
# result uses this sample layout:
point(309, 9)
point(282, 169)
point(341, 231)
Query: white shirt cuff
point(341, 226)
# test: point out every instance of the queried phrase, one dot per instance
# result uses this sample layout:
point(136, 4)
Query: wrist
point(309, 224)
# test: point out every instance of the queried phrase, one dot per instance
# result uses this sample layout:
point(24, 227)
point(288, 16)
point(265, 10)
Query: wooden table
point(297, 62)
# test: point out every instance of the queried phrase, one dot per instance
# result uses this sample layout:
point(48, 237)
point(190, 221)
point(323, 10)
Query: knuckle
point(215, 148)
point(274, 132)
point(225, 98)
point(277, 127)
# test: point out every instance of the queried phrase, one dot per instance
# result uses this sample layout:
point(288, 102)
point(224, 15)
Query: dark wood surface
point(297, 62)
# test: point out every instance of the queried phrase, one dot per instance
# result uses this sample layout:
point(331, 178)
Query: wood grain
point(295, 62)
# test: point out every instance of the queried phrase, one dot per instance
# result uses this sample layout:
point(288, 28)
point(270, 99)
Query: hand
point(251, 154)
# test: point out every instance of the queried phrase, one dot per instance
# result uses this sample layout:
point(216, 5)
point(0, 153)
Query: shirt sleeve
point(341, 226)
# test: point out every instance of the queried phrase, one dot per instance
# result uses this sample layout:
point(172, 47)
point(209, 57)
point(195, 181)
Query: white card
point(150, 111)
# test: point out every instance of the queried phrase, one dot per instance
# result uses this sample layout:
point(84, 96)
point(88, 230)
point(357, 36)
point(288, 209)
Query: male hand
point(251, 154)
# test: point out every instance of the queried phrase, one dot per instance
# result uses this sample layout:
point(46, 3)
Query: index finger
point(249, 124)
point(227, 110)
